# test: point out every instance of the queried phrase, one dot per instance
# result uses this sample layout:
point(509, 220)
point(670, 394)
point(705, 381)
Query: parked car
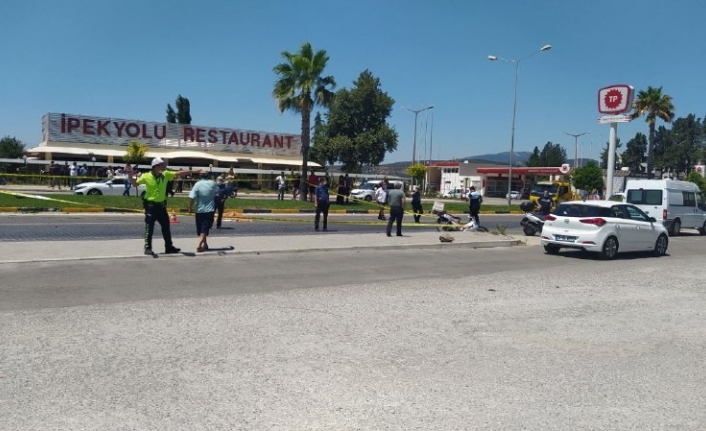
point(457, 192)
point(114, 187)
point(513, 195)
point(366, 191)
point(604, 227)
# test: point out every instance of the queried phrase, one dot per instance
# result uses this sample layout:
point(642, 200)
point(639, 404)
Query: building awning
point(286, 162)
point(171, 155)
point(77, 151)
point(522, 170)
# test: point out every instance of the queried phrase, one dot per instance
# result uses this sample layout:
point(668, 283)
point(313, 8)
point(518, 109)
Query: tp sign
point(615, 99)
point(565, 168)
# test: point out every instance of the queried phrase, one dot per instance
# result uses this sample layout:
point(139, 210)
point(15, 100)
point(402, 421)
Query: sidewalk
point(22, 252)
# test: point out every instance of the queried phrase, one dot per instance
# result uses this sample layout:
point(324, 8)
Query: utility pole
point(576, 146)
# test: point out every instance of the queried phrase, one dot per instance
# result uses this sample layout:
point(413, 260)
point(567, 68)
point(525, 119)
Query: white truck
point(676, 204)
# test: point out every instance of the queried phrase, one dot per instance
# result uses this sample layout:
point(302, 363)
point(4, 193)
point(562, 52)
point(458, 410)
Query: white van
point(366, 191)
point(677, 204)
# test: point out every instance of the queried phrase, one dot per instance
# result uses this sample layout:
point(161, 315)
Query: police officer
point(155, 202)
point(545, 203)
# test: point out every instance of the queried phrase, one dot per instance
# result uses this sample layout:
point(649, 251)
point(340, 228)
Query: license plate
point(565, 238)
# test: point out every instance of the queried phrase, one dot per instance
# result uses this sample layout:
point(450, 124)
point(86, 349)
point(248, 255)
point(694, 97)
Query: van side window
point(644, 197)
point(689, 199)
point(701, 201)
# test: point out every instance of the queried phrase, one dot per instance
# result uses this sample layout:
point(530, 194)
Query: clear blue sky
point(128, 59)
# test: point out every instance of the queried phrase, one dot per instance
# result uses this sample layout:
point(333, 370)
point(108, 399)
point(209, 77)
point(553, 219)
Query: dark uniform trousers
point(157, 212)
point(321, 208)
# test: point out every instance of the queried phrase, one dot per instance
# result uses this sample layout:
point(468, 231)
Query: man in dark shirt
point(397, 202)
point(545, 203)
point(221, 196)
point(321, 201)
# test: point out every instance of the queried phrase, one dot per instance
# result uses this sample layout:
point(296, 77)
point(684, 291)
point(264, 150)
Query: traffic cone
point(173, 219)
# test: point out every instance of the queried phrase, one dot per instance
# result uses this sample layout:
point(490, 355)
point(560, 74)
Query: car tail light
point(596, 220)
point(549, 217)
point(664, 214)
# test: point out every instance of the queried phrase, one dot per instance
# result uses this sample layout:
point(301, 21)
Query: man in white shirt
point(281, 185)
point(381, 198)
point(73, 173)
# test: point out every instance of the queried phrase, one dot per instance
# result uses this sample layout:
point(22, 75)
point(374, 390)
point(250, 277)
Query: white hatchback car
point(605, 227)
point(114, 187)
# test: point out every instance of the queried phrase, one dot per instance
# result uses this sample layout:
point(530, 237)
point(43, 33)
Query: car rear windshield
point(644, 197)
point(579, 210)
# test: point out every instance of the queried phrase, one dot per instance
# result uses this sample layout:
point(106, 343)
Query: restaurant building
point(88, 139)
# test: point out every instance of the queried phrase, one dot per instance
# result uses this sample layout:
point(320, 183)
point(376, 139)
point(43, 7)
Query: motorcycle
point(532, 222)
point(232, 190)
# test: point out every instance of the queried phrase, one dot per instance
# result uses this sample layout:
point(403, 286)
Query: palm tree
point(653, 104)
point(299, 88)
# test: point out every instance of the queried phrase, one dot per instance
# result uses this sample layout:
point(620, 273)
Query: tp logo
point(615, 99)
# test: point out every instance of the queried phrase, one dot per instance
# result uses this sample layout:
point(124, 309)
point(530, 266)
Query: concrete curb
point(468, 245)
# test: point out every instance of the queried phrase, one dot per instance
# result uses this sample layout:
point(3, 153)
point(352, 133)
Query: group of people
point(206, 198)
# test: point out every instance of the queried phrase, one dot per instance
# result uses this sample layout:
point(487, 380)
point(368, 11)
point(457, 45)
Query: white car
point(114, 187)
point(455, 193)
point(513, 195)
point(605, 227)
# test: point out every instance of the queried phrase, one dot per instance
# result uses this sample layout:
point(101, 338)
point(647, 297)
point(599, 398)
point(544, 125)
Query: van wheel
point(610, 248)
point(702, 231)
point(676, 228)
point(661, 246)
point(552, 249)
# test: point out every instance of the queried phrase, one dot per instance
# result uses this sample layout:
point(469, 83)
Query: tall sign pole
point(614, 100)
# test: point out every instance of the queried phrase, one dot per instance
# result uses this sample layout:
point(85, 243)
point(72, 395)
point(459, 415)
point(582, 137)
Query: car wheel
point(661, 246)
point(676, 228)
point(702, 231)
point(368, 199)
point(529, 230)
point(552, 248)
point(610, 248)
point(94, 192)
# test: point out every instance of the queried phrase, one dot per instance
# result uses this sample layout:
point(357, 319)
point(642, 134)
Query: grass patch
point(135, 203)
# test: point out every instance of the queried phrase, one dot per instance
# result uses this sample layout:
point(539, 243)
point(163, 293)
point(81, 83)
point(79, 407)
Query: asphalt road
point(52, 227)
point(493, 339)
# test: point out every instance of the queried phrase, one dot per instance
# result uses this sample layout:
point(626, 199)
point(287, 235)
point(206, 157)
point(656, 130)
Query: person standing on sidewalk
point(417, 204)
point(202, 201)
point(155, 203)
point(397, 203)
point(475, 200)
point(322, 202)
point(281, 185)
point(381, 198)
point(221, 196)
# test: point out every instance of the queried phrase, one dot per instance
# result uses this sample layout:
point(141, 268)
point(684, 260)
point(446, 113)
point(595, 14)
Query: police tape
point(227, 215)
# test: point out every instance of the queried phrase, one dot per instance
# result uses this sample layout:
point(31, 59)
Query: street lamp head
point(430, 107)
point(492, 57)
point(546, 48)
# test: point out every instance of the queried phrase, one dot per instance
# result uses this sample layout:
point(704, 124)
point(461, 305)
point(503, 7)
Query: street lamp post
point(414, 145)
point(514, 109)
point(93, 167)
point(576, 145)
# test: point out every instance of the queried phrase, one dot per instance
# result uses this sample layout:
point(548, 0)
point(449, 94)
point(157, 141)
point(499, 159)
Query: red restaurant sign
point(113, 131)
